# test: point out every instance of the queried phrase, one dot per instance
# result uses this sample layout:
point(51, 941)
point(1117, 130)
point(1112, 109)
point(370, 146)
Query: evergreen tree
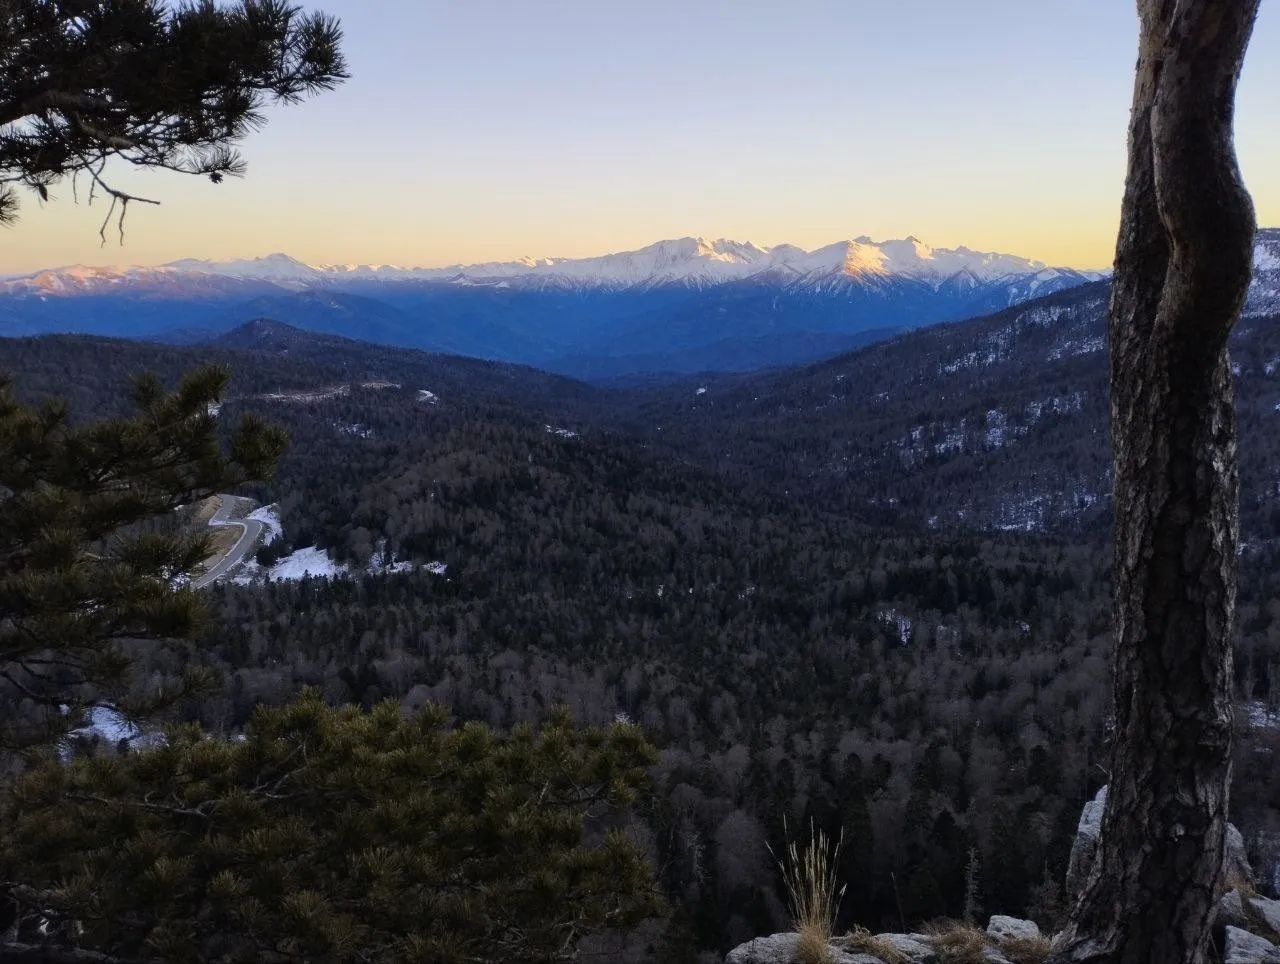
point(338, 835)
point(82, 579)
point(83, 82)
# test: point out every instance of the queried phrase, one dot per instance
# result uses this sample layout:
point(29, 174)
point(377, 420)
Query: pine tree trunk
point(1182, 271)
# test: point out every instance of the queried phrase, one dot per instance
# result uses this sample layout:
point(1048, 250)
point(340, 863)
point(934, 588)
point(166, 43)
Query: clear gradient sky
point(477, 130)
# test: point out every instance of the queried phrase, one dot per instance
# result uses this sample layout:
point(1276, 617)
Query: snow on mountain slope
point(694, 262)
point(279, 268)
point(163, 280)
point(1264, 293)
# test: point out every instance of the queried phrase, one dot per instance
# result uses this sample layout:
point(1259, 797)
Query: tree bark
point(1183, 265)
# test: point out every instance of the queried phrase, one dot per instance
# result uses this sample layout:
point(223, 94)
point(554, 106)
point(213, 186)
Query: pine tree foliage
point(82, 579)
point(151, 84)
point(339, 835)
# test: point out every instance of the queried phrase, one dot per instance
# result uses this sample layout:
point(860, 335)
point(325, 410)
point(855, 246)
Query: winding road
point(251, 532)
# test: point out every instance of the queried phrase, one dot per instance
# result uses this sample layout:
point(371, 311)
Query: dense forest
point(872, 593)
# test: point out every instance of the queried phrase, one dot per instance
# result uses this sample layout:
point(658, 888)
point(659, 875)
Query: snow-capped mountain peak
point(688, 261)
point(272, 267)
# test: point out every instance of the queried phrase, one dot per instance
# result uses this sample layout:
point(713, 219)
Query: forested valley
point(870, 594)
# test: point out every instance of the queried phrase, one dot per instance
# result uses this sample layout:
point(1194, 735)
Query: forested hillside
point(999, 423)
point(799, 584)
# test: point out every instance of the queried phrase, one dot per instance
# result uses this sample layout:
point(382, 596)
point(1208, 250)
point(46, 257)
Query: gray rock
point(1245, 948)
point(774, 949)
point(993, 956)
point(1269, 910)
point(1230, 911)
point(781, 949)
point(1235, 861)
point(912, 947)
point(1085, 845)
point(1002, 927)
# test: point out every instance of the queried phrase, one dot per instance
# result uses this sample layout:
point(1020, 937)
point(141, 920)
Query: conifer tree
point(82, 580)
point(337, 835)
point(147, 84)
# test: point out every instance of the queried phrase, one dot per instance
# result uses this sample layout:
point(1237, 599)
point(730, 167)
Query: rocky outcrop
point(1236, 860)
point(1002, 928)
point(1231, 911)
point(914, 947)
point(1085, 847)
point(1268, 910)
point(1248, 926)
point(896, 948)
point(781, 949)
point(1245, 948)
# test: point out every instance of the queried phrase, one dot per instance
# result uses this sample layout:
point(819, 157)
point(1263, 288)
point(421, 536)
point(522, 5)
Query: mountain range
point(677, 306)
point(693, 262)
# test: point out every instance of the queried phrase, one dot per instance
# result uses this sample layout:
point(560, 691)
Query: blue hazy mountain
point(675, 306)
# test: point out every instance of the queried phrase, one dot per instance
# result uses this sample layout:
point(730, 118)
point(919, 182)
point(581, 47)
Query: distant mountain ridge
point(694, 262)
point(675, 307)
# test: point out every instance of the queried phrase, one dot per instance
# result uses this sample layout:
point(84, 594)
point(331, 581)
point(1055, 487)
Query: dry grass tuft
point(864, 942)
point(809, 873)
point(814, 948)
point(959, 943)
point(1026, 950)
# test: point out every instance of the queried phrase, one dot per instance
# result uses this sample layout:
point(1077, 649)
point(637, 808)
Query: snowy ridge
point(683, 261)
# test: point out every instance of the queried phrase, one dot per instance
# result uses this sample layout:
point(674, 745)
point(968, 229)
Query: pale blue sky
point(491, 129)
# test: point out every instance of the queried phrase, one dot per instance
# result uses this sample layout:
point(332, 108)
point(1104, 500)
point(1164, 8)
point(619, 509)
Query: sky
point(476, 130)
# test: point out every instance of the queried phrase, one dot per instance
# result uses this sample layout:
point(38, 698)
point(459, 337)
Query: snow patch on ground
point(269, 516)
point(356, 429)
point(954, 441)
point(311, 561)
point(899, 621)
point(109, 725)
point(997, 423)
point(1057, 404)
point(1263, 718)
point(560, 432)
point(972, 359)
point(380, 564)
point(1042, 317)
point(701, 391)
point(431, 398)
point(1077, 346)
point(1023, 515)
point(316, 563)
